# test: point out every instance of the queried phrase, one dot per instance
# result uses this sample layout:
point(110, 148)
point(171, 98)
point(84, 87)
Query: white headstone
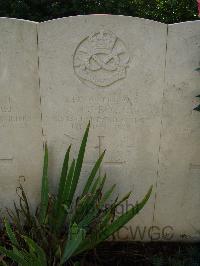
point(20, 114)
point(178, 194)
point(109, 70)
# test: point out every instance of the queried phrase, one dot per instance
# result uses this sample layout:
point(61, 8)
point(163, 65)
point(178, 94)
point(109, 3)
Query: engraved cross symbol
point(100, 151)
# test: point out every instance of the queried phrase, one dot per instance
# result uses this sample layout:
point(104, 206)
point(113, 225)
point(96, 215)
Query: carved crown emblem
point(102, 40)
point(101, 59)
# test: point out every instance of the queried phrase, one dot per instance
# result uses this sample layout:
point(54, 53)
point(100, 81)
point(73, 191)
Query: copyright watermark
point(142, 233)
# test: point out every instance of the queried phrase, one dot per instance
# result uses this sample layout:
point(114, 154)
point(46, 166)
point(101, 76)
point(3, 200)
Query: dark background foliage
point(168, 11)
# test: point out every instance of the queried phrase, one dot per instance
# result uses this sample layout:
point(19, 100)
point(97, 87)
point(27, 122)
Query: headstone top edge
point(3, 19)
point(101, 15)
point(181, 24)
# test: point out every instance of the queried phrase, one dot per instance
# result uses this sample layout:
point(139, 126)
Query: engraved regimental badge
point(101, 59)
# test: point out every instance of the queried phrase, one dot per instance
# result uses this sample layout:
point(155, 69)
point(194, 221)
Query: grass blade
point(13, 256)
point(45, 189)
point(110, 229)
point(62, 182)
point(93, 174)
point(68, 184)
point(37, 250)
point(77, 235)
point(60, 218)
point(106, 196)
point(79, 163)
point(123, 219)
point(90, 207)
point(10, 233)
point(123, 199)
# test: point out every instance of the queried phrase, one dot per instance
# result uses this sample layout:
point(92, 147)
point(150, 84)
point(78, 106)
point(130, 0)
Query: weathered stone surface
point(109, 70)
point(135, 80)
point(178, 196)
point(20, 115)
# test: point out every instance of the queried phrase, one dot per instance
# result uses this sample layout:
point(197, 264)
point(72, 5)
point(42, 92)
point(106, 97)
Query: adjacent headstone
point(178, 194)
point(20, 114)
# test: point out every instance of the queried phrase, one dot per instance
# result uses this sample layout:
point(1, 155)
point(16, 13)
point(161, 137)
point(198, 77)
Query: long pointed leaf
point(123, 219)
point(60, 218)
point(79, 163)
point(68, 184)
point(92, 175)
point(95, 208)
point(13, 256)
point(113, 227)
point(45, 189)
point(39, 252)
point(72, 244)
point(106, 196)
point(62, 182)
point(10, 233)
point(123, 199)
point(90, 206)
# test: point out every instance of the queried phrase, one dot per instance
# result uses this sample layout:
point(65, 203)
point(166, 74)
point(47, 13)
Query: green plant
point(35, 255)
point(64, 226)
